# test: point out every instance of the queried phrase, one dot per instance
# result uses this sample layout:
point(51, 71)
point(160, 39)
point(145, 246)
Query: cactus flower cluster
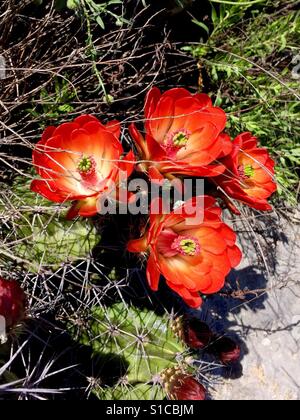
point(184, 135)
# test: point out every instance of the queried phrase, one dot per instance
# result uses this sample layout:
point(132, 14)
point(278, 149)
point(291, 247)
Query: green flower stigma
point(180, 139)
point(249, 171)
point(85, 164)
point(188, 246)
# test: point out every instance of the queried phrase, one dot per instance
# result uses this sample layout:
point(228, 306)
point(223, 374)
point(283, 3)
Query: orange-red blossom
point(183, 135)
point(79, 161)
point(249, 175)
point(193, 258)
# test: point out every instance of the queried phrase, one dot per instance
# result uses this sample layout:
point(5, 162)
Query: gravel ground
point(269, 325)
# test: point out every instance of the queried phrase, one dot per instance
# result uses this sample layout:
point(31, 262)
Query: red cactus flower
point(182, 386)
point(226, 349)
point(79, 161)
point(12, 302)
point(249, 177)
point(183, 135)
point(192, 257)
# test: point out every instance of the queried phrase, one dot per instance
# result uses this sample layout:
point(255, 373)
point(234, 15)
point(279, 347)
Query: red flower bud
point(227, 350)
point(182, 386)
point(195, 333)
point(12, 302)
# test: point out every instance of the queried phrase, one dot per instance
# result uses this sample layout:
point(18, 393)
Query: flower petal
point(153, 273)
point(84, 208)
